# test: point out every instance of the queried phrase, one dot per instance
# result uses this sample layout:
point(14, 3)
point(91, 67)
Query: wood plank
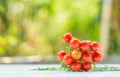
point(24, 71)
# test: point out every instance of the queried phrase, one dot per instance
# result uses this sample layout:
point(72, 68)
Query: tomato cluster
point(82, 56)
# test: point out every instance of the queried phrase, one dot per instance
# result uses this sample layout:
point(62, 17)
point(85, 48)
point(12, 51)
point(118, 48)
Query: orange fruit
point(76, 54)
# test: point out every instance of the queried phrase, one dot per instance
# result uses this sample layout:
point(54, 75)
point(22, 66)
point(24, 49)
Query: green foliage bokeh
point(30, 27)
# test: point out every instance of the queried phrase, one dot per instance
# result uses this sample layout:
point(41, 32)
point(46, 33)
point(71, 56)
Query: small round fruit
point(84, 45)
point(67, 37)
point(94, 46)
point(86, 66)
point(97, 57)
point(89, 42)
point(76, 54)
point(67, 59)
point(75, 66)
point(61, 54)
point(87, 57)
point(74, 43)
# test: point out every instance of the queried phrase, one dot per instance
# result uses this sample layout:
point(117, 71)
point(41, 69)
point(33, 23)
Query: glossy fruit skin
point(67, 59)
point(86, 66)
point(82, 54)
point(67, 37)
point(74, 43)
point(87, 57)
point(75, 66)
point(94, 46)
point(76, 54)
point(84, 45)
point(97, 57)
point(61, 54)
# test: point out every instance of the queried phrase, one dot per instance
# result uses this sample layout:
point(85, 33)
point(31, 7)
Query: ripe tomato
point(75, 66)
point(76, 54)
point(87, 57)
point(94, 46)
point(86, 66)
point(67, 59)
point(74, 43)
point(84, 45)
point(67, 37)
point(89, 42)
point(97, 57)
point(61, 54)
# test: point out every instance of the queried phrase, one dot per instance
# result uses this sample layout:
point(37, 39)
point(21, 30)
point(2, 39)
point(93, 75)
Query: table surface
point(25, 71)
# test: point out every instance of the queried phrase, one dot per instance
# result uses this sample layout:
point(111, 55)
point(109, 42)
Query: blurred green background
point(35, 27)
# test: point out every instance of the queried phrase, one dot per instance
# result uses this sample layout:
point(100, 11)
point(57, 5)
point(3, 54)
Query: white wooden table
point(24, 71)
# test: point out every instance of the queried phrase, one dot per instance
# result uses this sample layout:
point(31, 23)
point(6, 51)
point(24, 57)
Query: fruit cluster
point(82, 55)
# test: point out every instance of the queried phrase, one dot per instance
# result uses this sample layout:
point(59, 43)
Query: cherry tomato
point(74, 43)
point(75, 66)
point(97, 57)
point(67, 59)
point(89, 42)
point(87, 57)
point(61, 54)
point(76, 54)
point(94, 46)
point(67, 37)
point(86, 66)
point(84, 45)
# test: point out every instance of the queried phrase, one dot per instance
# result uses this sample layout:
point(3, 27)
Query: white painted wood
point(105, 26)
point(24, 71)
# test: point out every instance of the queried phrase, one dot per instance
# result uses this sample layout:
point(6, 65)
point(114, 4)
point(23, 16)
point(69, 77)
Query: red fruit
point(84, 45)
point(75, 66)
point(89, 42)
point(74, 43)
point(97, 57)
point(87, 57)
point(94, 46)
point(61, 54)
point(86, 66)
point(67, 59)
point(67, 37)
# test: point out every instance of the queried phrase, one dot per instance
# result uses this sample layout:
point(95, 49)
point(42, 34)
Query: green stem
point(66, 68)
